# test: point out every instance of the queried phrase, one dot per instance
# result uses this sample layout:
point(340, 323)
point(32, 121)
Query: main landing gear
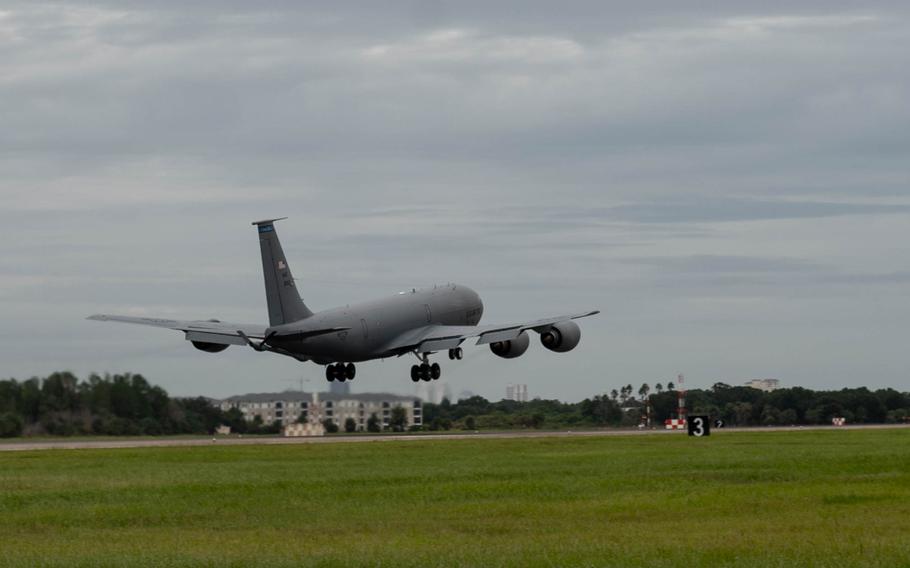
point(431, 372)
point(340, 372)
point(425, 372)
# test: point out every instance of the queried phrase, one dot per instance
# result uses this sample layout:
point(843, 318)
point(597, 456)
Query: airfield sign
point(699, 426)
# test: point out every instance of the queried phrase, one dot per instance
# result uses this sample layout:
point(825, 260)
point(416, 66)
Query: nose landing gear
point(340, 372)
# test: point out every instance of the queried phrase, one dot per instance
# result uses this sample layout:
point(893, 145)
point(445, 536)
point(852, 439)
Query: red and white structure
point(680, 386)
point(838, 421)
point(675, 423)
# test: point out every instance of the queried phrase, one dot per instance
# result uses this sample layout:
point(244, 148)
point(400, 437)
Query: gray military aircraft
point(422, 321)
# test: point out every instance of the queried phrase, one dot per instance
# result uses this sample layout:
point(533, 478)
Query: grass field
point(819, 498)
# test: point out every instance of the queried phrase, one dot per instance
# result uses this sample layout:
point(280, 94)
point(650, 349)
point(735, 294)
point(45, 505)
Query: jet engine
point(209, 347)
point(512, 348)
point(561, 337)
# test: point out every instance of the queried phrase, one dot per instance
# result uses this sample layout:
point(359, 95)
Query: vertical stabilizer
point(285, 305)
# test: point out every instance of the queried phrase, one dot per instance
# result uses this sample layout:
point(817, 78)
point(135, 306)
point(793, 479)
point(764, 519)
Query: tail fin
point(285, 305)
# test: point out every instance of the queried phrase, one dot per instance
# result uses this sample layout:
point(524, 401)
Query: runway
point(21, 445)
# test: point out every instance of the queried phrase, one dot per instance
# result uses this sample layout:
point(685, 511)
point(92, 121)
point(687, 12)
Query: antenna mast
point(681, 391)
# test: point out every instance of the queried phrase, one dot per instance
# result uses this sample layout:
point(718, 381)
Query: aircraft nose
point(474, 304)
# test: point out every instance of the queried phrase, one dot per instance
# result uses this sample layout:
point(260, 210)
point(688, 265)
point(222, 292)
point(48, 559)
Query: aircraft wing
point(441, 337)
point(208, 331)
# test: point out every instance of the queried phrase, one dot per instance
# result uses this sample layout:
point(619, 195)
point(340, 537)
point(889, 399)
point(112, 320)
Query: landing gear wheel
point(330, 373)
point(424, 372)
point(337, 372)
point(459, 354)
point(435, 371)
point(415, 373)
point(350, 371)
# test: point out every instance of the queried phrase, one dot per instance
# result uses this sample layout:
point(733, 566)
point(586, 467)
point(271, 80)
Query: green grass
point(812, 498)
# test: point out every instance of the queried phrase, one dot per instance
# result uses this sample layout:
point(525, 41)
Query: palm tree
point(659, 388)
point(614, 394)
point(644, 390)
point(671, 386)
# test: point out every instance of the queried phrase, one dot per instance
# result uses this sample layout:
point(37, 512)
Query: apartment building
point(287, 407)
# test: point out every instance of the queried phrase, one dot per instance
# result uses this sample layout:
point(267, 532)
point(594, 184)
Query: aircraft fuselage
point(372, 325)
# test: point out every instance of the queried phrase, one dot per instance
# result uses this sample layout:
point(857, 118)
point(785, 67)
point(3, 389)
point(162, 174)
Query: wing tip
point(97, 317)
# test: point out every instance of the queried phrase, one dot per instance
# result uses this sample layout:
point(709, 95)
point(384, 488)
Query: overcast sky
point(728, 183)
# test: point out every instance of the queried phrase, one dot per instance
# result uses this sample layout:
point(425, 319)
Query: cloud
point(733, 167)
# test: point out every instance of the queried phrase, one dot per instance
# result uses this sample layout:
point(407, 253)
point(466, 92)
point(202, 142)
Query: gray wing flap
point(440, 344)
point(503, 335)
point(219, 338)
point(217, 331)
point(439, 337)
point(154, 322)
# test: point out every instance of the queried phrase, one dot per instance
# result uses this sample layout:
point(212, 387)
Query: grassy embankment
point(829, 498)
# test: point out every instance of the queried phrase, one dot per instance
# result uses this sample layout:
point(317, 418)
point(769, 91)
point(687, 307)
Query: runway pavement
point(77, 444)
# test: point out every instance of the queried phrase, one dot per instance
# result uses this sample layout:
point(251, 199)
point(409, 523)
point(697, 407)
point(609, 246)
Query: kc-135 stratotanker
point(422, 321)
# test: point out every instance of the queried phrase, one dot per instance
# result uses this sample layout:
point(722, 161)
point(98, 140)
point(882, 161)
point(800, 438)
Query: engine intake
point(512, 348)
point(209, 347)
point(561, 337)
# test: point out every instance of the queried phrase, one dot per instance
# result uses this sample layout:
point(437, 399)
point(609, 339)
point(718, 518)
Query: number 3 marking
point(699, 426)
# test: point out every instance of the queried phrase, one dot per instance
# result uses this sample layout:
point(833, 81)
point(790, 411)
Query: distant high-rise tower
point(433, 392)
point(338, 387)
point(517, 392)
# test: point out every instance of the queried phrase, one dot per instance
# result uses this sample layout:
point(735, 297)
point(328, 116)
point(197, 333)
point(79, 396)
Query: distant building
point(286, 407)
point(433, 391)
point(338, 387)
point(517, 392)
point(466, 394)
point(766, 385)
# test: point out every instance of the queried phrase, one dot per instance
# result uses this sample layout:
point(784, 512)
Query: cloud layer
point(729, 185)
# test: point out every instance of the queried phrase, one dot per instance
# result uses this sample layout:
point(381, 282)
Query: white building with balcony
point(286, 407)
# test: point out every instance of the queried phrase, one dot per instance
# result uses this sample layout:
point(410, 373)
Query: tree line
point(737, 406)
point(112, 405)
point(126, 404)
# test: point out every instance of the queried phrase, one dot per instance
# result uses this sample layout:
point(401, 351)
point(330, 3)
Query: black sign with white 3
point(699, 426)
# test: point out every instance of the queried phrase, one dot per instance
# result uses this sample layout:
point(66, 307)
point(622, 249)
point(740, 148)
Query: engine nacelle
point(209, 347)
point(512, 348)
point(561, 337)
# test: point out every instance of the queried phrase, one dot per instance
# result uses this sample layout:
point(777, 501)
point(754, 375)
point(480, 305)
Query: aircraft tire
point(415, 373)
point(425, 372)
point(350, 371)
point(435, 371)
point(330, 373)
point(459, 353)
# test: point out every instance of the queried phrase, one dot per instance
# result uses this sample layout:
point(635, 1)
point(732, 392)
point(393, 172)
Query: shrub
point(373, 423)
point(10, 425)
